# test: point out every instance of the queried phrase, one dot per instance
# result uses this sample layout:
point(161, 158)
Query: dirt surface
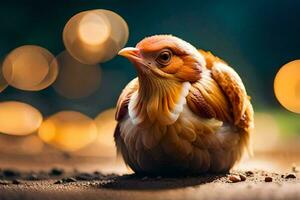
point(64, 177)
point(58, 184)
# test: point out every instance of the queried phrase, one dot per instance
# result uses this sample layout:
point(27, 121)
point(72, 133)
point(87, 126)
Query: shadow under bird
point(187, 112)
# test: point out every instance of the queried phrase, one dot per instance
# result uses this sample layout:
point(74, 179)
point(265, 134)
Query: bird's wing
point(207, 100)
point(122, 104)
point(234, 89)
point(220, 94)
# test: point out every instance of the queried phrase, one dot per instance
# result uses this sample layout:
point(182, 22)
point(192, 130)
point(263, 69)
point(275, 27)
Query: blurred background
point(255, 37)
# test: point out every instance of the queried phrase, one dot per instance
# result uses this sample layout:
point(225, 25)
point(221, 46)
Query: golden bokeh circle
point(104, 145)
point(95, 36)
point(17, 118)
point(27, 67)
point(68, 130)
point(50, 77)
point(120, 31)
point(287, 86)
point(93, 28)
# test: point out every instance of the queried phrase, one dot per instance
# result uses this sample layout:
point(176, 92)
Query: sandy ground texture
point(57, 184)
point(65, 177)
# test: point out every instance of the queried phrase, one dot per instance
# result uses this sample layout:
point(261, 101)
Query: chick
point(187, 112)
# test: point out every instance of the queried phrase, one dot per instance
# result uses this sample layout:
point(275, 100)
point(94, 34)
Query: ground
point(77, 185)
point(78, 178)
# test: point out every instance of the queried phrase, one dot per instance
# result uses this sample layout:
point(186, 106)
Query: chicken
point(187, 112)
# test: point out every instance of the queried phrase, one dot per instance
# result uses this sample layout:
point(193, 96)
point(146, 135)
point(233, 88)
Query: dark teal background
point(255, 37)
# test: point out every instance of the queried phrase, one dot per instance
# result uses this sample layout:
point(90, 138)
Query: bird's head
point(166, 56)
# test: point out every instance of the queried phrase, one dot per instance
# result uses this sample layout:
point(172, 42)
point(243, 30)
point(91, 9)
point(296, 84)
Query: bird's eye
point(164, 57)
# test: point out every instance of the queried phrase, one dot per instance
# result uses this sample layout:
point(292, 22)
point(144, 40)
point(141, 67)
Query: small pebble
point(268, 179)
point(242, 177)
point(16, 182)
point(249, 173)
point(97, 173)
point(290, 176)
point(145, 178)
point(234, 178)
point(56, 172)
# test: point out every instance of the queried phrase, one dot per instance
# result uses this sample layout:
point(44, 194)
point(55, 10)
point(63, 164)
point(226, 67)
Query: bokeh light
point(18, 118)
point(119, 27)
point(287, 86)
point(27, 68)
point(93, 29)
point(49, 79)
point(68, 130)
point(76, 80)
point(3, 82)
point(106, 125)
point(95, 36)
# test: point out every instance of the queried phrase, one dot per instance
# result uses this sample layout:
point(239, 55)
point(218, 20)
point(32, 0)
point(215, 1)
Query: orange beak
point(131, 53)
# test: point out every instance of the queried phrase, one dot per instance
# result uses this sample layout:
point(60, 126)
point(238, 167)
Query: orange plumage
point(186, 112)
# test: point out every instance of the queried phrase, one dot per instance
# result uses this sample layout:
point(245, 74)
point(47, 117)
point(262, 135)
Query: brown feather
point(233, 88)
point(207, 100)
point(123, 101)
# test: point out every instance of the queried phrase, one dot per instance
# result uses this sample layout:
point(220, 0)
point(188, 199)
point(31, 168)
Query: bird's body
point(189, 115)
